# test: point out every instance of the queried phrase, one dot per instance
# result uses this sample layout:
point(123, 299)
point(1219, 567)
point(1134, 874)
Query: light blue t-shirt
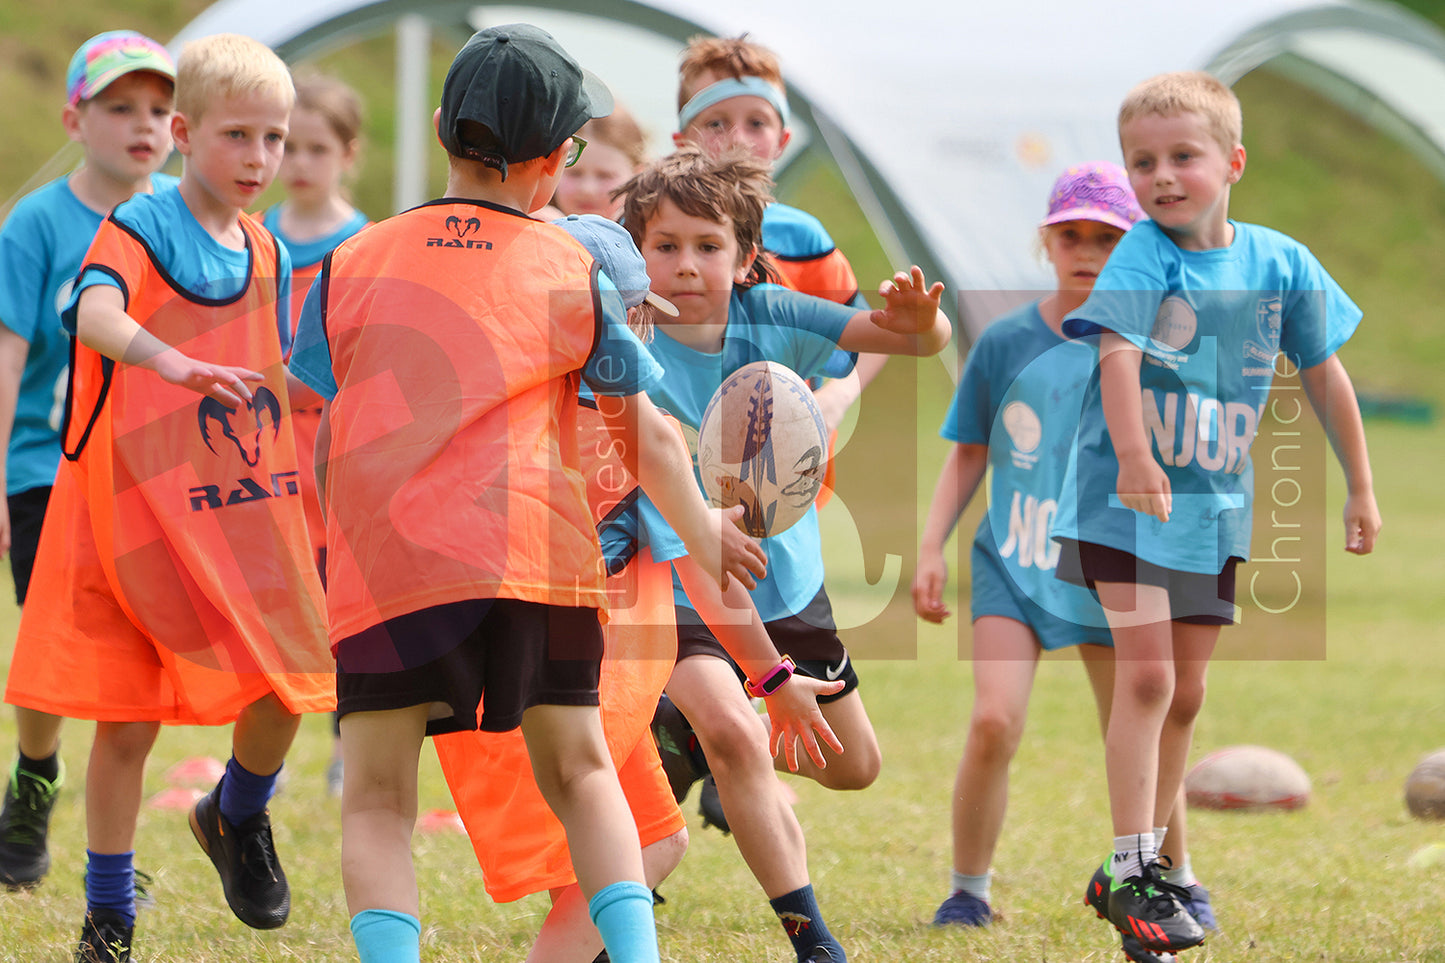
point(1021, 393)
point(42, 244)
point(792, 234)
point(306, 253)
point(1210, 324)
point(195, 261)
point(765, 323)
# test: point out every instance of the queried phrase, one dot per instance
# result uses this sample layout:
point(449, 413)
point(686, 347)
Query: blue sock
point(386, 936)
point(110, 882)
point(803, 922)
point(243, 793)
point(622, 913)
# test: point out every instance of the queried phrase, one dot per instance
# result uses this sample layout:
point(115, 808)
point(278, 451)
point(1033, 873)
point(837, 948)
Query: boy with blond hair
point(174, 581)
point(450, 342)
point(120, 89)
point(1196, 314)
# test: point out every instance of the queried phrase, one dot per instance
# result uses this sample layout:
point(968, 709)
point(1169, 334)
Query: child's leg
point(575, 775)
point(568, 935)
point(1192, 645)
point(1005, 656)
point(113, 788)
point(861, 761)
point(263, 734)
point(31, 788)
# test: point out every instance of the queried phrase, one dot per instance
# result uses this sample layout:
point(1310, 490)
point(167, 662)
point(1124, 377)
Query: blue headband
point(726, 90)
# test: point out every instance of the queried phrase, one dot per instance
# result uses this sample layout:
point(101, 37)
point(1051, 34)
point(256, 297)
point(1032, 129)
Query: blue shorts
point(996, 593)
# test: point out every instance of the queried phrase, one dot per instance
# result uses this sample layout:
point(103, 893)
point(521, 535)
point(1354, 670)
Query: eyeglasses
point(574, 154)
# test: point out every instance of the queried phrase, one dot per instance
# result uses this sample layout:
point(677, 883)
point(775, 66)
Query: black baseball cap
point(518, 82)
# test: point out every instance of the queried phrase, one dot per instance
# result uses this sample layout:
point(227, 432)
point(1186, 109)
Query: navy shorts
point(27, 514)
point(810, 638)
point(1195, 598)
point(520, 653)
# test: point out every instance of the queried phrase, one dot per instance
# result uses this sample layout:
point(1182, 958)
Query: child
point(450, 342)
point(1183, 299)
point(173, 580)
point(321, 148)
point(120, 90)
point(519, 844)
point(698, 224)
point(616, 149)
point(1015, 412)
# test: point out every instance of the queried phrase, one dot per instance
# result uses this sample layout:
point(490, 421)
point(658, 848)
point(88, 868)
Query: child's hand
point(928, 584)
point(1362, 523)
point(1144, 487)
point(226, 383)
point(739, 555)
point(793, 714)
point(911, 306)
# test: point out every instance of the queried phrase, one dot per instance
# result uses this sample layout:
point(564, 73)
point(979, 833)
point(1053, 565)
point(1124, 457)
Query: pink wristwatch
point(773, 681)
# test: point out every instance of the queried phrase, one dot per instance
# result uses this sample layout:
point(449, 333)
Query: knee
point(126, 741)
point(994, 732)
point(660, 858)
point(1188, 700)
point(734, 740)
point(269, 711)
point(1150, 686)
point(857, 768)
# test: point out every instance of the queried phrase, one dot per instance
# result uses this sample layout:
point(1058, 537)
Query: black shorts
point(27, 513)
point(1194, 598)
point(810, 638)
point(520, 653)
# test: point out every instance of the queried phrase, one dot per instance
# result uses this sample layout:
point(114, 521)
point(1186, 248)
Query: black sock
point(47, 768)
point(803, 922)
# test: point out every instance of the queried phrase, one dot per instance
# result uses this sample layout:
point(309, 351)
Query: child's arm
point(962, 472)
point(793, 707)
point(13, 352)
point(910, 322)
point(657, 457)
point(1332, 396)
point(323, 451)
point(102, 325)
point(1143, 486)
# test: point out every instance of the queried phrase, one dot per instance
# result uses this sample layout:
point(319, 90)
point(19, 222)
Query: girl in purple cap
point(1015, 411)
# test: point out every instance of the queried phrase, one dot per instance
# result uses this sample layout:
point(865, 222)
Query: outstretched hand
point(226, 383)
point(793, 714)
point(910, 305)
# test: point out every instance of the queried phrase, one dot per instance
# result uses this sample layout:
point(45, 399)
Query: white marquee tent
point(948, 119)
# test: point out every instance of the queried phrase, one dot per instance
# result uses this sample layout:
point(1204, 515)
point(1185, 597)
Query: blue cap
point(614, 250)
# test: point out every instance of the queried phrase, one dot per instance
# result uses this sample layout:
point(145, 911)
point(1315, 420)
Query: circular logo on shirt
point(1175, 324)
point(62, 296)
point(1023, 426)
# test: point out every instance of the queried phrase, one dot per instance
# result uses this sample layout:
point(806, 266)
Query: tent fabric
point(951, 120)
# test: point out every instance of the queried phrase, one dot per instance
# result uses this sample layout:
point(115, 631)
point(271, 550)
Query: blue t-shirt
point(1210, 324)
point(765, 323)
point(1020, 394)
point(195, 261)
point(311, 357)
point(42, 244)
point(792, 234)
point(306, 253)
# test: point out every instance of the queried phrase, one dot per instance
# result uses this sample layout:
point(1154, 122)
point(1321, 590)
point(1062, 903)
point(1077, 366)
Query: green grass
point(1327, 883)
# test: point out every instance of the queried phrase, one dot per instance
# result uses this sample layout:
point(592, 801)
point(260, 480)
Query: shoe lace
point(27, 809)
point(258, 854)
point(1162, 896)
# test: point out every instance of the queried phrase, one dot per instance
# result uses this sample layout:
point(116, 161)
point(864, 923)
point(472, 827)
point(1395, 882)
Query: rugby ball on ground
point(763, 443)
point(1247, 778)
point(1425, 788)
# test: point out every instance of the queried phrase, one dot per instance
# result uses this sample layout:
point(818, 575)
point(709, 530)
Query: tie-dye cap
point(106, 57)
point(1096, 191)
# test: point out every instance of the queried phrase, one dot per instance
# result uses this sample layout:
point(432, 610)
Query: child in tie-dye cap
point(1015, 411)
point(119, 96)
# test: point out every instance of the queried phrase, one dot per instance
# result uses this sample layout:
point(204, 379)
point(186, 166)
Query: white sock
point(1159, 833)
point(1181, 875)
point(976, 886)
point(1131, 854)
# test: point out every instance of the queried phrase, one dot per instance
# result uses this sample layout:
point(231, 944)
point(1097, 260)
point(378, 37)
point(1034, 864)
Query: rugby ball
point(1247, 778)
point(763, 443)
point(1425, 787)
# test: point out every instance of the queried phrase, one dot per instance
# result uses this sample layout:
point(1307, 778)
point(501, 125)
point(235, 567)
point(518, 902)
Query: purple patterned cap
point(106, 57)
point(1096, 191)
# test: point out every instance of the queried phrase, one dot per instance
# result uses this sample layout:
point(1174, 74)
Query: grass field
point(1327, 883)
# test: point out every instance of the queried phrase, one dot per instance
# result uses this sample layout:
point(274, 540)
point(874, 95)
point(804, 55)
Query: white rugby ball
point(1247, 777)
point(1425, 787)
point(763, 443)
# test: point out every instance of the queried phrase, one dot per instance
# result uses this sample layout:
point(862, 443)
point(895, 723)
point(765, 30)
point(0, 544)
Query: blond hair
point(228, 65)
point(1188, 91)
point(620, 131)
point(735, 57)
point(734, 185)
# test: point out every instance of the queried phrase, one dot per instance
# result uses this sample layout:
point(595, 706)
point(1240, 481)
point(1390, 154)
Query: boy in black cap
point(450, 342)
